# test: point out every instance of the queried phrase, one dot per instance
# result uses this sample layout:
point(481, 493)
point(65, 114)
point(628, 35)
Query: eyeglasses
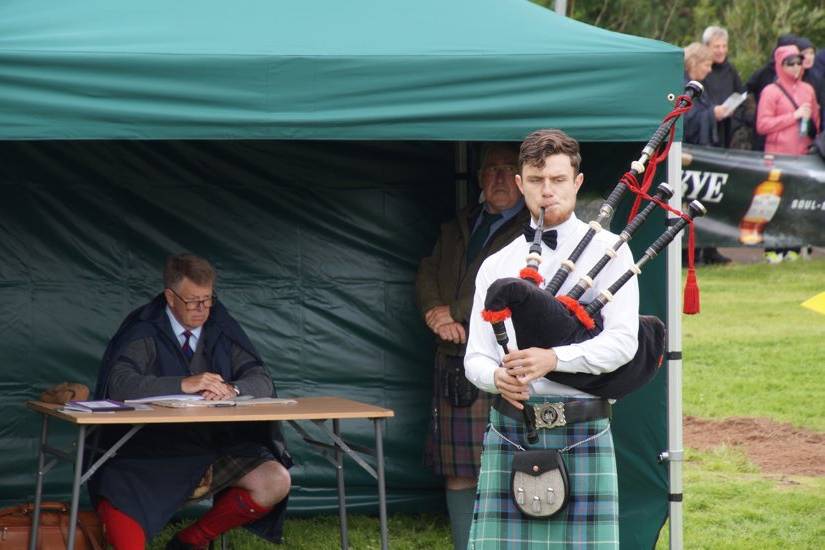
point(503, 169)
point(194, 305)
point(792, 63)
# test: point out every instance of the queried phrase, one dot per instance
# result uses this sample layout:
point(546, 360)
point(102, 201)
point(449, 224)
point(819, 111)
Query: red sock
point(122, 532)
point(234, 507)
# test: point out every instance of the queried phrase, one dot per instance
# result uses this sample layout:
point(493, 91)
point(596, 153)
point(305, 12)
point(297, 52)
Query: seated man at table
point(185, 341)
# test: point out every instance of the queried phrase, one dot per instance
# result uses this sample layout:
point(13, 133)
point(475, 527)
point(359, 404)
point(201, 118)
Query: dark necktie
point(547, 237)
point(186, 348)
point(479, 236)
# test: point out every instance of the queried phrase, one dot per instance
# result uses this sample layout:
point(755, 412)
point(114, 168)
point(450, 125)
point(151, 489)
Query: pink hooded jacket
point(775, 118)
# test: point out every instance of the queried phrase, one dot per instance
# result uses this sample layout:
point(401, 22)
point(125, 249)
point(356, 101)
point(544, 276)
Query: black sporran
point(455, 387)
point(539, 484)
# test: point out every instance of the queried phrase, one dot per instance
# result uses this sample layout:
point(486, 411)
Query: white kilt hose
point(591, 517)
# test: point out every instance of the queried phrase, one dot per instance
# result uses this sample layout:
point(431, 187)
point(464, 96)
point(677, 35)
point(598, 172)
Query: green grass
point(729, 504)
point(753, 351)
point(407, 532)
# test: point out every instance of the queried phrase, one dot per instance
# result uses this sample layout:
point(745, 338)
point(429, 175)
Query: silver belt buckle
point(550, 415)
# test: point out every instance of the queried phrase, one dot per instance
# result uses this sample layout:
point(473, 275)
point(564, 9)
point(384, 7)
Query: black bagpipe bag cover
point(540, 320)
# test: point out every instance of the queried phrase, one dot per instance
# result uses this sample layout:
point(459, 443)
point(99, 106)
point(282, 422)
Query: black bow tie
point(547, 237)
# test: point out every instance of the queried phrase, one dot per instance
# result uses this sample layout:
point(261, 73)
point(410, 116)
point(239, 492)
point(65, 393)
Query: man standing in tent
point(185, 341)
point(564, 492)
point(444, 288)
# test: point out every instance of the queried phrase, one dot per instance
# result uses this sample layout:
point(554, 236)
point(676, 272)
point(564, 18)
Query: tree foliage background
point(753, 25)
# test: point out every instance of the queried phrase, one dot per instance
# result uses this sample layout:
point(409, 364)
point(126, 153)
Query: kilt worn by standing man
point(549, 177)
point(185, 341)
point(444, 287)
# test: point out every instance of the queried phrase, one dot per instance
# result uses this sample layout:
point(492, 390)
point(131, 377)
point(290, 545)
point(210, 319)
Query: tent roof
point(322, 69)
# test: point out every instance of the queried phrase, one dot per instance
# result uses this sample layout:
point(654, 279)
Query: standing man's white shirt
point(607, 351)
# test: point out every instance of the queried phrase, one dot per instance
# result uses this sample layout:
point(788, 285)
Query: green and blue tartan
point(591, 517)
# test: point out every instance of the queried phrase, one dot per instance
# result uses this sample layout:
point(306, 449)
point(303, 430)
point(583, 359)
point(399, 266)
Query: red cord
point(691, 291)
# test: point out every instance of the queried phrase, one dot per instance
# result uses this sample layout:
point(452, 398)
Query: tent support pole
point(462, 183)
point(673, 457)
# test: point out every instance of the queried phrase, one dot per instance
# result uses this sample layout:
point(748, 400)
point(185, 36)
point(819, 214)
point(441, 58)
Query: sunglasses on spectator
point(793, 63)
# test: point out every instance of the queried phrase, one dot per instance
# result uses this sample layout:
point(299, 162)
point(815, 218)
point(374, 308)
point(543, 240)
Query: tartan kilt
point(453, 447)
point(591, 517)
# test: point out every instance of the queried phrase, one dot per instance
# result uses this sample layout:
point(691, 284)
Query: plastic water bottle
point(803, 126)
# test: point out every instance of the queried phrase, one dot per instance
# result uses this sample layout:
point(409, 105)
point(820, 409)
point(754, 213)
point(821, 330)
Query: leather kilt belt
point(552, 415)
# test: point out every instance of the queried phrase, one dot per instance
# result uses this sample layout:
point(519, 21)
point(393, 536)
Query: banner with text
point(755, 199)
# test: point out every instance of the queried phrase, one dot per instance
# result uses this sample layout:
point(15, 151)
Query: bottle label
point(763, 207)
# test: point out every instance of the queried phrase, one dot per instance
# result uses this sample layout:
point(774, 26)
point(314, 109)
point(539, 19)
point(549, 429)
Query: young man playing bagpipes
point(552, 483)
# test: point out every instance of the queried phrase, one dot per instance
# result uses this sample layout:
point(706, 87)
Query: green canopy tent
point(309, 149)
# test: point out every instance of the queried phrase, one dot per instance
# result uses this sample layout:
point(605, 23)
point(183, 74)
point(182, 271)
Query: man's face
point(719, 49)
point(553, 187)
point(498, 179)
point(808, 56)
point(195, 313)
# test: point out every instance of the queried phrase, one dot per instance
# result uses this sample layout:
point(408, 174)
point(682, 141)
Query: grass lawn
point(753, 351)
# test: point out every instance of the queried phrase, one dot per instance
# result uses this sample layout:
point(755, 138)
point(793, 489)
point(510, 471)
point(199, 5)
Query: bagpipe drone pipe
point(542, 319)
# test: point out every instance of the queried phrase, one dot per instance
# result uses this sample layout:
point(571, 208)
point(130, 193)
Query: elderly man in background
point(722, 81)
point(444, 287)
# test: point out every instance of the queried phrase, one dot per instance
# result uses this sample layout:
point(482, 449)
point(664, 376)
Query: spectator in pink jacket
point(784, 104)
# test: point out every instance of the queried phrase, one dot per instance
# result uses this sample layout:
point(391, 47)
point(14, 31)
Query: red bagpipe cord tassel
point(496, 316)
point(578, 311)
point(658, 156)
point(531, 274)
point(690, 300)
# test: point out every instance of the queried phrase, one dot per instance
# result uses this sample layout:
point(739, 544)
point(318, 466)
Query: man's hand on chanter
point(530, 364)
point(207, 382)
point(511, 388)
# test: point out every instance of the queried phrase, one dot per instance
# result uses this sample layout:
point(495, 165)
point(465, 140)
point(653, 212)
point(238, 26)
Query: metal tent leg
point(674, 454)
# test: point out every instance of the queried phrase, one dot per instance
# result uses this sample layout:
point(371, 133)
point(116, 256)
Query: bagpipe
point(542, 319)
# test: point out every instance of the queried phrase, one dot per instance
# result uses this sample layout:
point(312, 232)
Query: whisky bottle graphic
point(764, 204)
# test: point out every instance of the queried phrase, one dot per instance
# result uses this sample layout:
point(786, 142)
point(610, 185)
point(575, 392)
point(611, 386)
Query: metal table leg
point(38, 487)
point(78, 471)
point(382, 490)
point(339, 477)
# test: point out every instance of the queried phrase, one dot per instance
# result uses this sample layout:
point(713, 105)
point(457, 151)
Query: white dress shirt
point(607, 351)
point(179, 329)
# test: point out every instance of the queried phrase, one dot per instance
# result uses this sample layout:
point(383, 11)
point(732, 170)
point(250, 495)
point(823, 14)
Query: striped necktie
point(186, 348)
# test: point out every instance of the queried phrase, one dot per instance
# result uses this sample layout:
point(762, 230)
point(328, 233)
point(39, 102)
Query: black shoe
point(711, 256)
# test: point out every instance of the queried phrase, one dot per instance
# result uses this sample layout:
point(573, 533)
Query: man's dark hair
point(196, 269)
point(542, 143)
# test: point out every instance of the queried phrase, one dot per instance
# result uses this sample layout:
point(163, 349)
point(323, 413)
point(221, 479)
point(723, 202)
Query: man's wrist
point(236, 389)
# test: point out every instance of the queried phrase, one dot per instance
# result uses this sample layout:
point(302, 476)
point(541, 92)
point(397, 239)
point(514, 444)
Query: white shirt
point(607, 351)
point(179, 329)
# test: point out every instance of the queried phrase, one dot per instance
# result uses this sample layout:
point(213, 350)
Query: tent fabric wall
point(363, 69)
point(316, 244)
point(318, 269)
